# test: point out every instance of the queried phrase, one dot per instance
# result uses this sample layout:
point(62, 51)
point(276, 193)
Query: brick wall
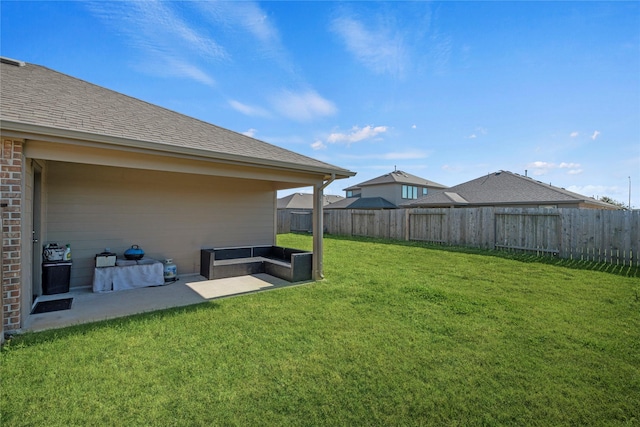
point(11, 176)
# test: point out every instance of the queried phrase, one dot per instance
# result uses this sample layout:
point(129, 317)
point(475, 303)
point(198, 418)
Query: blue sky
point(448, 91)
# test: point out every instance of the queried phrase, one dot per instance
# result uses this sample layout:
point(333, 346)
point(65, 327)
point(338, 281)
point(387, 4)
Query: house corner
point(11, 182)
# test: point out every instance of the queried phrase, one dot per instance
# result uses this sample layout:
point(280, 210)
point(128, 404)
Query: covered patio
point(88, 306)
point(101, 171)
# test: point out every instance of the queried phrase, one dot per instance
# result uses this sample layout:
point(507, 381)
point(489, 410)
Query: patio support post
point(318, 228)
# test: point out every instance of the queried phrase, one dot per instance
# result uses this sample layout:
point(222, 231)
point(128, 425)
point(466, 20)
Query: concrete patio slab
point(88, 306)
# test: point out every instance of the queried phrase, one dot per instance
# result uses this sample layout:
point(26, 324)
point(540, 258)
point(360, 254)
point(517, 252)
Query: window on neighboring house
point(409, 192)
point(424, 191)
point(350, 193)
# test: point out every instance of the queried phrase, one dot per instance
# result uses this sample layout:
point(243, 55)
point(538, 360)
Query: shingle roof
point(397, 177)
point(362, 203)
point(503, 187)
point(304, 201)
point(35, 95)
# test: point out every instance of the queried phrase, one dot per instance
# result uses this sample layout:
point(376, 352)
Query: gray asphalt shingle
point(397, 176)
point(304, 201)
point(362, 203)
point(503, 187)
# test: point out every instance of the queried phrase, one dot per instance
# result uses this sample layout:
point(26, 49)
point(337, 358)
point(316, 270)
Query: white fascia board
point(14, 129)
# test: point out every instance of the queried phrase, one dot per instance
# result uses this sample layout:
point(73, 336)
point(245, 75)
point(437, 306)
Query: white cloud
point(174, 67)
point(564, 165)
point(394, 155)
point(478, 131)
point(542, 168)
point(160, 26)
point(250, 132)
point(595, 135)
point(184, 69)
point(380, 49)
point(318, 145)
point(169, 43)
point(357, 134)
point(452, 168)
point(248, 110)
point(256, 21)
point(441, 52)
point(414, 127)
point(406, 155)
point(574, 134)
point(303, 106)
point(248, 16)
point(596, 191)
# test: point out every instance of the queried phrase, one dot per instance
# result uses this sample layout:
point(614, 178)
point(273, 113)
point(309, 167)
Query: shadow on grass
point(34, 338)
point(521, 256)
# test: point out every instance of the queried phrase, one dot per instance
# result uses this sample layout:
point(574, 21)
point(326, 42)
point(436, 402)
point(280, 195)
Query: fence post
point(407, 213)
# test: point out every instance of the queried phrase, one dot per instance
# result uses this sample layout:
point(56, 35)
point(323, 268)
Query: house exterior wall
point(386, 191)
point(169, 215)
point(11, 182)
point(391, 192)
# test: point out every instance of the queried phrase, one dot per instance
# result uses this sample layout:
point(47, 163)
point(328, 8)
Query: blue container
point(134, 252)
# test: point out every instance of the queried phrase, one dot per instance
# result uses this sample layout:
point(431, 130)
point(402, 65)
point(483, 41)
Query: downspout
point(318, 228)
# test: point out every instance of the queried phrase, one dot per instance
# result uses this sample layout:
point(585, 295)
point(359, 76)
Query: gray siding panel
point(169, 215)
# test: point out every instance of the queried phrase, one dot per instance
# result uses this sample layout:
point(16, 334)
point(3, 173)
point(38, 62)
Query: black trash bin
point(56, 277)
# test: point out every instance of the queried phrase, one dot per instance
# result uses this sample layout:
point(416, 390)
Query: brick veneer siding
point(11, 185)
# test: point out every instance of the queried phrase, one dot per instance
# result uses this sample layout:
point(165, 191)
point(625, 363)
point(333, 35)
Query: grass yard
point(397, 334)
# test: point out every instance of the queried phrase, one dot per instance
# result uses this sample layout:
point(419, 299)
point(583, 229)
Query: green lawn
point(397, 334)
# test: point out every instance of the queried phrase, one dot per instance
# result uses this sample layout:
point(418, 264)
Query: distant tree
point(611, 201)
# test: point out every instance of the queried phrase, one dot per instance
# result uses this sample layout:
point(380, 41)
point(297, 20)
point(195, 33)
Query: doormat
point(53, 305)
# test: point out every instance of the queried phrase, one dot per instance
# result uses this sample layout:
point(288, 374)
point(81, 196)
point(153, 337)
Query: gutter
point(329, 181)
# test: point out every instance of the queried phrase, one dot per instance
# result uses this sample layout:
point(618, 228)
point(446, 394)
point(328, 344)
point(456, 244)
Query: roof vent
point(10, 61)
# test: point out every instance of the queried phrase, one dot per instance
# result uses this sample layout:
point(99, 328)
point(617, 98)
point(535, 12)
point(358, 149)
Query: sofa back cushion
point(232, 253)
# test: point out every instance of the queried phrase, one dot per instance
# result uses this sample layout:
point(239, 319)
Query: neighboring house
point(93, 168)
point(362, 203)
point(304, 201)
point(295, 211)
point(386, 192)
point(507, 189)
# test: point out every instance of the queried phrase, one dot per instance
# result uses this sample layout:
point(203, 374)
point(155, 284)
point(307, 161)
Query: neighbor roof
point(397, 176)
point(362, 203)
point(38, 100)
point(504, 188)
point(304, 201)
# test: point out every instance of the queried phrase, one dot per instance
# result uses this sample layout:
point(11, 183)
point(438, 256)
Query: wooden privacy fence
point(583, 234)
point(294, 220)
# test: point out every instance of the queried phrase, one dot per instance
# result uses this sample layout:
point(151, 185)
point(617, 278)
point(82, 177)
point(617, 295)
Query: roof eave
point(22, 130)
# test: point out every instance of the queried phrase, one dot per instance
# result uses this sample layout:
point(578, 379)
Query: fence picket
point(581, 234)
